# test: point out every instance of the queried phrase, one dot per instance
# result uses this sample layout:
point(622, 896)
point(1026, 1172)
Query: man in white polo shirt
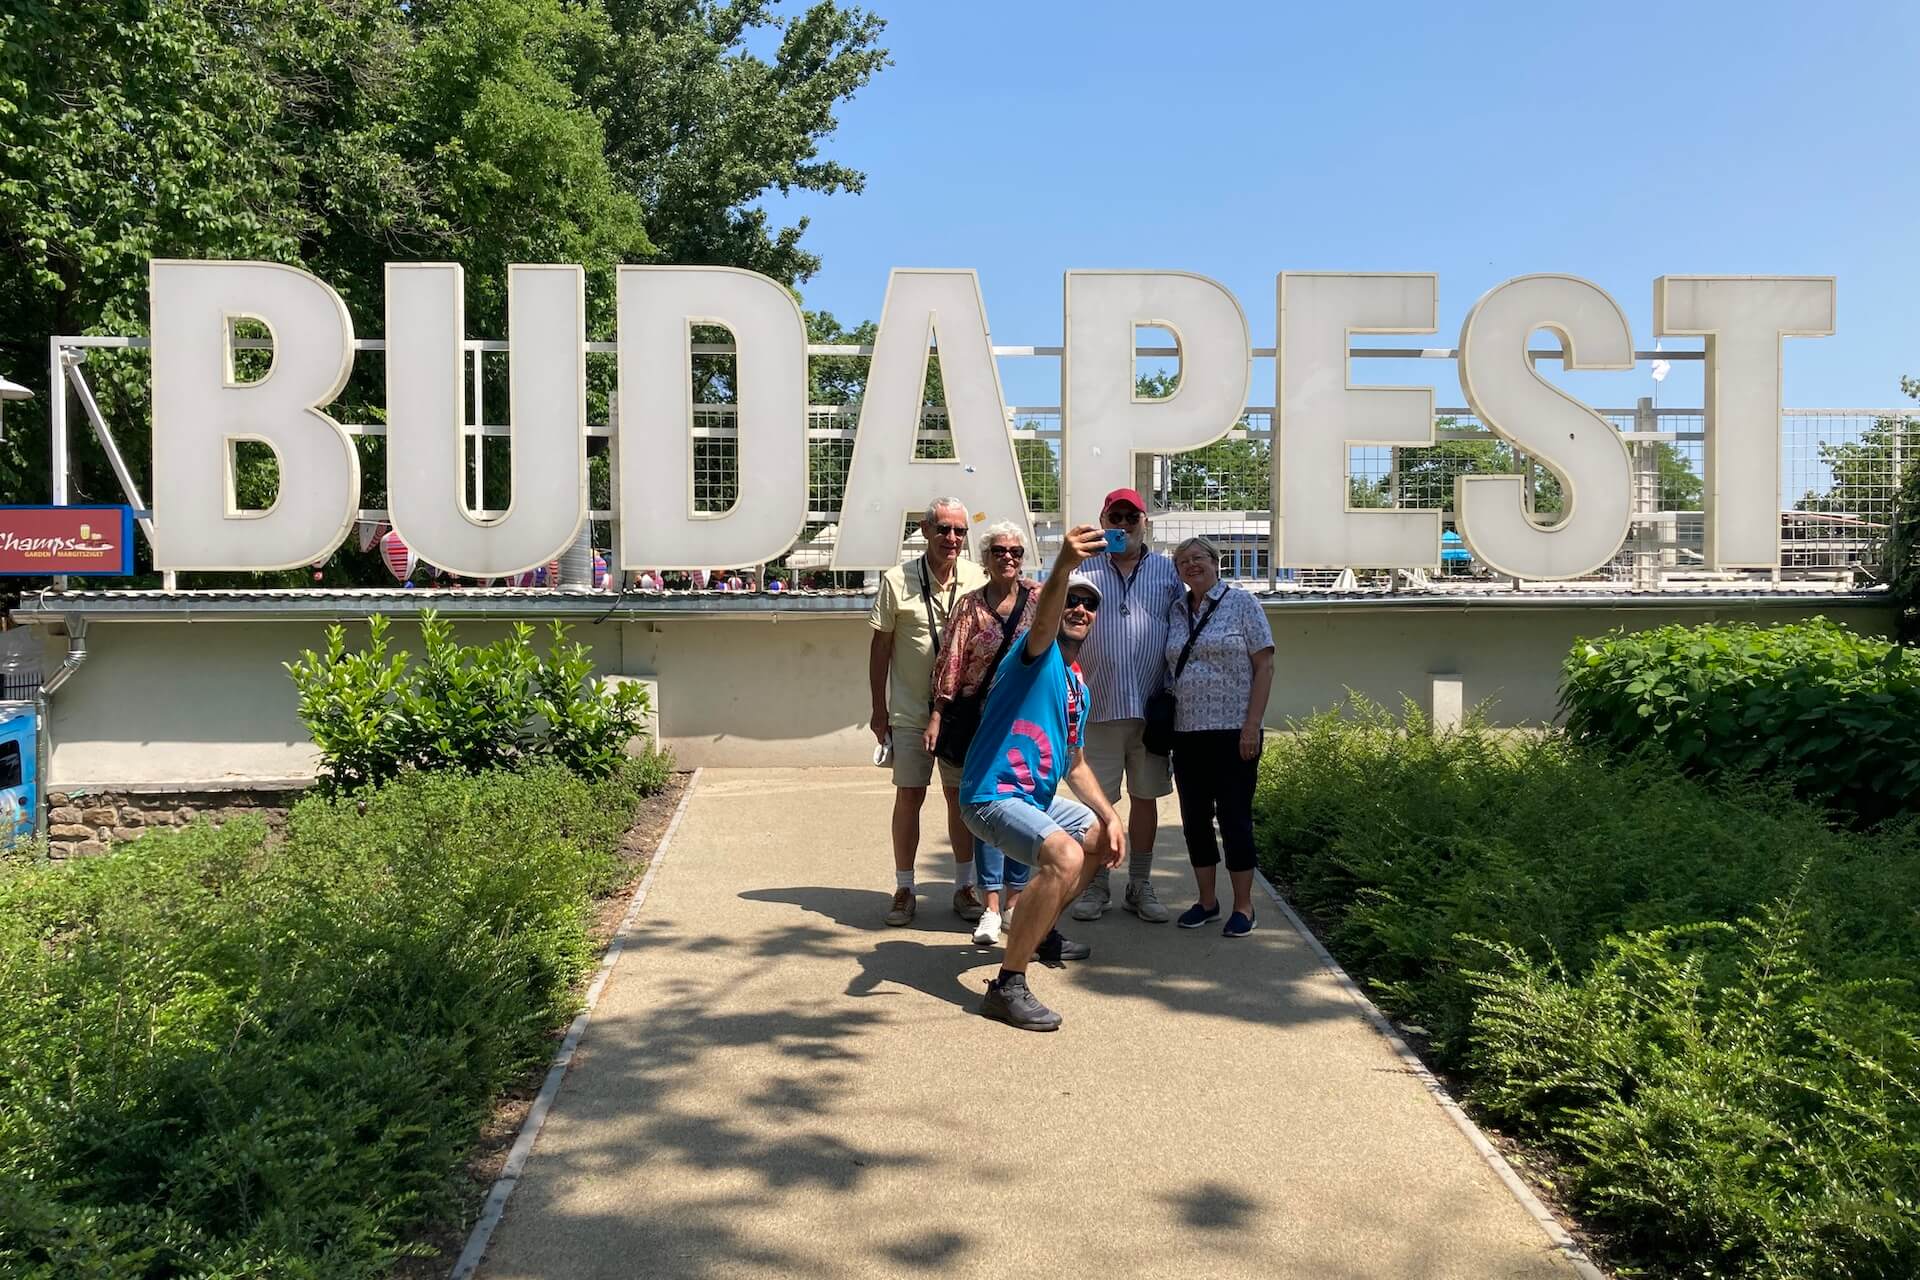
point(909, 618)
point(1124, 660)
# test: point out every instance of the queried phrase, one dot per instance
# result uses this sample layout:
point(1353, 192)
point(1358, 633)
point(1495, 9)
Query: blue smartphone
point(1116, 541)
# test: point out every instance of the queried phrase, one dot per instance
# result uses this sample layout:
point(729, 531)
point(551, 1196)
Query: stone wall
point(83, 821)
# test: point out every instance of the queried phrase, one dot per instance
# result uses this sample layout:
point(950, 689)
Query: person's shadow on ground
point(933, 969)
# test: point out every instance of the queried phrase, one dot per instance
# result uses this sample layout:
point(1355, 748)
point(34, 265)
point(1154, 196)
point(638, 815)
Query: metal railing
point(1840, 470)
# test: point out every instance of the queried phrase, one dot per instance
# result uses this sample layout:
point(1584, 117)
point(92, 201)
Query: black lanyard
point(1194, 630)
point(926, 594)
point(1126, 582)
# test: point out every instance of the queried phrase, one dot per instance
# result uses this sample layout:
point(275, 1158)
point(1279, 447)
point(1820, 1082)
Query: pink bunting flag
point(398, 555)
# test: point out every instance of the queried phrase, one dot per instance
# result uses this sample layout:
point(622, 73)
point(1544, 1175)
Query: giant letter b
point(200, 412)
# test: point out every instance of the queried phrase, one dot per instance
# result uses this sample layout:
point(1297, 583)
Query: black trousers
point(1214, 782)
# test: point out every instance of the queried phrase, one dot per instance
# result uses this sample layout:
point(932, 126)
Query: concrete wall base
point(210, 703)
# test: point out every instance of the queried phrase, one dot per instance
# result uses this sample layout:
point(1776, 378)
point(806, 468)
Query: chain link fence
point(1839, 474)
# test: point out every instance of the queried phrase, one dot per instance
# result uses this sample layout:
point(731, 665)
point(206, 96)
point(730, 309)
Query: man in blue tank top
point(1029, 741)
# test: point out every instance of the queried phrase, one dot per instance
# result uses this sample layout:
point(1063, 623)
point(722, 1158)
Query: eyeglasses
point(951, 530)
point(1126, 516)
point(1008, 553)
point(1083, 600)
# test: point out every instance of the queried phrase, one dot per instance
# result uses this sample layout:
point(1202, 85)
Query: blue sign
point(18, 778)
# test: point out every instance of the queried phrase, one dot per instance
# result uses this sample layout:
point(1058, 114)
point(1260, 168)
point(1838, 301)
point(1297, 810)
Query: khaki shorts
point(912, 766)
point(1115, 747)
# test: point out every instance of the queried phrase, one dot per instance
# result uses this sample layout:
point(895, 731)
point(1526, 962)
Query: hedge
point(223, 1057)
point(1833, 714)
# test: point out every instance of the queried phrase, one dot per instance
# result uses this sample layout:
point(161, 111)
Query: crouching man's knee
point(1063, 853)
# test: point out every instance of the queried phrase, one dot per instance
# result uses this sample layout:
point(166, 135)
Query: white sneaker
point(1143, 902)
point(987, 931)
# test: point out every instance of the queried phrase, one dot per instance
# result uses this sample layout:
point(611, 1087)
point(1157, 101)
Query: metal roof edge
point(534, 605)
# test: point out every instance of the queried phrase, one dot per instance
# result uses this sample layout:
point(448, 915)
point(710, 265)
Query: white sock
point(903, 879)
point(962, 874)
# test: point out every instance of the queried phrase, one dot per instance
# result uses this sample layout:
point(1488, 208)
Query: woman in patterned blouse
point(1220, 697)
point(964, 664)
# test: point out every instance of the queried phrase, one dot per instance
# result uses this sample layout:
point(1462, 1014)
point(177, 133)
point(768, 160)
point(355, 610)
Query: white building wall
point(210, 702)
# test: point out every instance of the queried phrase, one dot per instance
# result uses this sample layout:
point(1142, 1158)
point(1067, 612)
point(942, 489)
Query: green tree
point(1902, 559)
point(1427, 474)
point(342, 134)
point(1863, 473)
point(1364, 493)
point(701, 128)
point(1227, 475)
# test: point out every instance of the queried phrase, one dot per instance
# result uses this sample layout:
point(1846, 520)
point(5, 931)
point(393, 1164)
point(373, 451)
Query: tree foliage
point(1864, 472)
point(339, 135)
point(1903, 542)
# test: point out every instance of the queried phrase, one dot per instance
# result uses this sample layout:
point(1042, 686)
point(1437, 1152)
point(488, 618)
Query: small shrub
point(1834, 715)
point(466, 707)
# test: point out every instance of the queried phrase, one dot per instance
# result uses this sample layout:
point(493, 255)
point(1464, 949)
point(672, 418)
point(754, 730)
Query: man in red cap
point(1124, 660)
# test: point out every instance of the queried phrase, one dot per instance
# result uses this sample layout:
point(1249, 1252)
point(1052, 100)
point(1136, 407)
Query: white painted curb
point(482, 1233)
point(1572, 1252)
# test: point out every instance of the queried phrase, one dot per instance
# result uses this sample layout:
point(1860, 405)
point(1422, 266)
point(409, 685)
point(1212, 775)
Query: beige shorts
point(913, 766)
point(1116, 747)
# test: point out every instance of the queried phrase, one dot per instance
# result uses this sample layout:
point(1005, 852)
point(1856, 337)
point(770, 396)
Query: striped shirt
point(1124, 657)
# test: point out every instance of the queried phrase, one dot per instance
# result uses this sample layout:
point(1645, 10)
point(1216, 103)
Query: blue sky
point(1480, 142)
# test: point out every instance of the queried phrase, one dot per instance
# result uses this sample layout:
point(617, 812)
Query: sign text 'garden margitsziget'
point(200, 411)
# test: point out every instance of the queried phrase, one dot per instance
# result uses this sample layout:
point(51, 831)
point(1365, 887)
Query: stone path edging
point(1569, 1249)
point(482, 1233)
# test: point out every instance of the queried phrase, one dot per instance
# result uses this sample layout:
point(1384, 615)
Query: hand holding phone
point(1116, 541)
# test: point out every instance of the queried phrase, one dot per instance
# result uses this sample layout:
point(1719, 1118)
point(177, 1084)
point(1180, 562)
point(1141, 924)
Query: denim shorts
point(1019, 827)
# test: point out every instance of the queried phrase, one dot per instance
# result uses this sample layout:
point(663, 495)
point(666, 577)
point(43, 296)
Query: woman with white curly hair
point(985, 624)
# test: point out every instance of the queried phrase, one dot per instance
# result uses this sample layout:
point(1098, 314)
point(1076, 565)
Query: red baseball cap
point(1123, 495)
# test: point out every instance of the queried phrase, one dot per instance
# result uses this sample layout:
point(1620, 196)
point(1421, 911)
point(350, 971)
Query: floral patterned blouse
point(972, 638)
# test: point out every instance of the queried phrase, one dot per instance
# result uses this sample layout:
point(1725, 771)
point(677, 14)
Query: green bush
point(467, 707)
point(224, 1058)
point(1769, 1126)
point(1833, 714)
point(1565, 929)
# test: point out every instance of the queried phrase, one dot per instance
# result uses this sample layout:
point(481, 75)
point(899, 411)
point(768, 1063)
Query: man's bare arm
point(879, 659)
point(1081, 543)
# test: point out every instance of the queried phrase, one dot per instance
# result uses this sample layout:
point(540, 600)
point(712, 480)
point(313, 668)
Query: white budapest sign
point(200, 410)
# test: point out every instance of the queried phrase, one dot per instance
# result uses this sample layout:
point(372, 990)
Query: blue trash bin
point(19, 790)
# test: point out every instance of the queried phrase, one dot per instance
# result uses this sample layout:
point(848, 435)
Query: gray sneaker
point(1143, 902)
point(1094, 902)
point(1009, 1001)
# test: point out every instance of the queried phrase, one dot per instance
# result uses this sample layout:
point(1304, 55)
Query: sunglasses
point(1083, 600)
point(1008, 553)
point(951, 530)
point(1124, 516)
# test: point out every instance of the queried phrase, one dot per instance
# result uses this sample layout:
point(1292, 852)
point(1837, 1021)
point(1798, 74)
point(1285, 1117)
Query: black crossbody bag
point(961, 720)
point(1163, 707)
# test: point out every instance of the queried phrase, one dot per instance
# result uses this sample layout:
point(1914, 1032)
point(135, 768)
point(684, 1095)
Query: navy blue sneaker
point(1196, 915)
point(1237, 926)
